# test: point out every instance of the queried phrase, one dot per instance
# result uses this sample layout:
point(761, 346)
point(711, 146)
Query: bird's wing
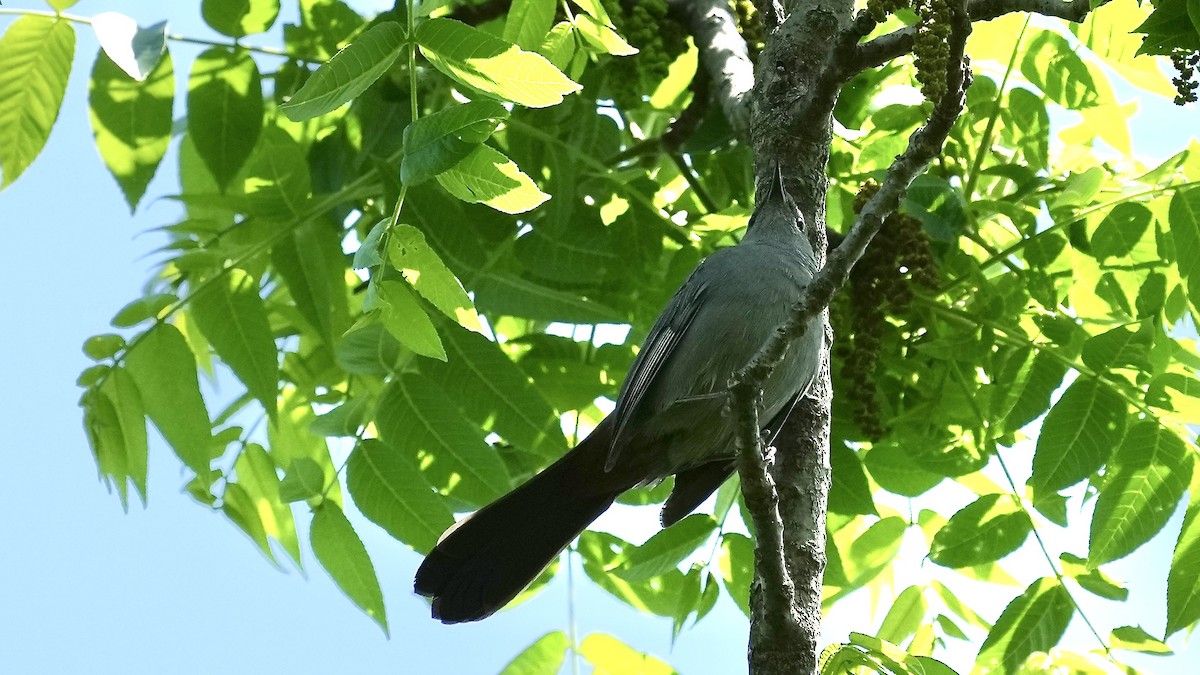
point(656, 350)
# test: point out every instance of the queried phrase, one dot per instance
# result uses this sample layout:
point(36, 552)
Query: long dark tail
point(485, 560)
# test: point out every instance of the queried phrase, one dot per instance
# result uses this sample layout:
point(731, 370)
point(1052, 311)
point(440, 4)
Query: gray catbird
point(668, 418)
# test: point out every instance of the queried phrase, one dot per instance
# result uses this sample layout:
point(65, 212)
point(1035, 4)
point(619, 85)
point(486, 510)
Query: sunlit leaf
point(1079, 434)
point(341, 552)
point(434, 143)
point(390, 490)
point(1033, 622)
point(487, 176)
point(544, 657)
point(986, 530)
point(416, 417)
point(610, 656)
point(492, 65)
point(36, 52)
point(238, 18)
point(665, 550)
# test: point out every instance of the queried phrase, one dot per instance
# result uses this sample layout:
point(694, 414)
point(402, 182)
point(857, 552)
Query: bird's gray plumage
point(669, 418)
point(713, 325)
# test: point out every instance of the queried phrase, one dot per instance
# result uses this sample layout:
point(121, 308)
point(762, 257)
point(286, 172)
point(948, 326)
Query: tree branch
point(781, 624)
point(723, 54)
point(893, 45)
point(762, 501)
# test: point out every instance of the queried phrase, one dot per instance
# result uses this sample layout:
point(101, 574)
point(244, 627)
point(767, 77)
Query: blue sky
point(175, 588)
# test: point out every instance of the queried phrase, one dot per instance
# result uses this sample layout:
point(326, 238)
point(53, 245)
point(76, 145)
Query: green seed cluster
point(659, 39)
point(931, 51)
point(880, 9)
point(880, 285)
point(1186, 63)
point(750, 25)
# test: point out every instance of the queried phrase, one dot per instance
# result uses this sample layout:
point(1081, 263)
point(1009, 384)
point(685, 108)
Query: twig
point(893, 45)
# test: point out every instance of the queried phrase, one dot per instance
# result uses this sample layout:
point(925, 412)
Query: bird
point(668, 419)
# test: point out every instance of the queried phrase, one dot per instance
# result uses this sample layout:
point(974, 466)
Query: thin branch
point(893, 45)
point(762, 501)
point(723, 53)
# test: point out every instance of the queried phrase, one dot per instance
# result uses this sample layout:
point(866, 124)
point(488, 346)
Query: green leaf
point(435, 143)
point(291, 441)
point(850, 493)
point(143, 309)
point(1183, 579)
point(239, 507)
point(114, 419)
point(1120, 230)
point(499, 293)
point(1033, 622)
point(424, 269)
point(36, 52)
point(610, 656)
point(369, 349)
point(688, 601)
point(255, 472)
point(544, 657)
point(1119, 348)
point(100, 347)
point(133, 49)
point(895, 470)
point(417, 418)
point(487, 176)
point(1169, 27)
point(131, 121)
point(492, 65)
point(407, 321)
point(303, 480)
point(1052, 66)
point(737, 568)
point(60, 5)
point(1078, 435)
point(225, 110)
point(231, 315)
point(496, 394)
point(1092, 580)
point(529, 22)
point(873, 550)
point(277, 183)
point(1185, 232)
point(1031, 390)
point(602, 552)
point(391, 491)
point(1136, 639)
point(340, 551)
point(238, 18)
point(985, 531)
point(604, 40)
point(665, 550)
point(312, 264)
point(344, 420)
point(164, 370)
point(348, 73)
point(1149, 474)
point(905, 616)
